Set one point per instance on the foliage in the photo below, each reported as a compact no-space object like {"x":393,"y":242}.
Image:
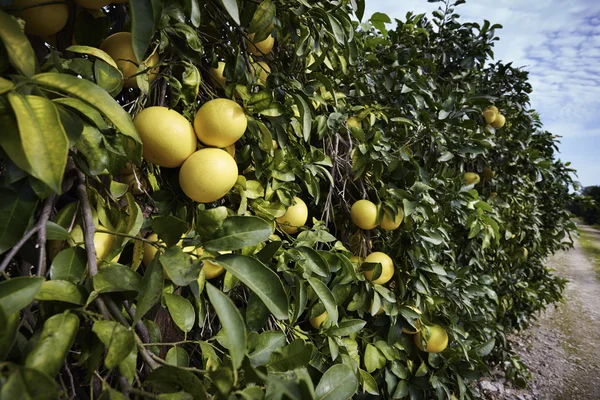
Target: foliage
{"x":82,"y":316}
{"x":586,"y":205}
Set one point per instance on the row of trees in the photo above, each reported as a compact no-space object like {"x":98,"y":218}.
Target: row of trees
{"x":105,"y":287}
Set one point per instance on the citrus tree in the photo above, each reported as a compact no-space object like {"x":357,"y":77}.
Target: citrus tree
{"x":266,"y":199}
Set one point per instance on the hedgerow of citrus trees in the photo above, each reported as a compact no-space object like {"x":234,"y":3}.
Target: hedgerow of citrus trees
{"x":266,"y":199}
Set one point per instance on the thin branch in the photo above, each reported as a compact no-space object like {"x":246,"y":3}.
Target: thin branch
{"x":146,"y":355}
{"x":41,"y":240}
{"x":71,"y":381}
{"x":141,"y":328}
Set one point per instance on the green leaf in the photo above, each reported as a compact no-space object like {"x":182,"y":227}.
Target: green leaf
{"x":5,"y":85}
{"x":20,"y":53}
{"x":9,"y":326}
{"x":91,"y":146}
{"x":267,"y":343}
{"x":232,"y":323}
{"x":43,"y":137}
{"x":142,"y":26}
{"x":69,"y":265}
{"x":178,"y":357}
{"x":305,"y":115}
{"x":326,"y":297}
{"x":118,"y":339}
{"x":17,"y":293}
{"x":181,"y":268}
{"x":150,"y":291}
{"x":85,"y":109}
{"x":16,"y":210}
{"x":94,"y":51}
{"x":108,"y":78}
{"x":313,"y":261}
{"x":128,"y":367}
{"x":56,"y":232}
{"x":208,"y":221}
{"x":237,"y":232}
{"x":368,"y":382}
{"x":169,"y":229}
{"x":232,"y":9}
{"x":260,"y":279}
{"x":378,"y":20}
{"x":295,"y":355}
{"x":374,"y":360}
{"x":181,"y":311}
{"x":28,"y":383}
{"x":338,"y":382}
{"x":168,"y":379}
{"x":401,"y":390}
{"x":92,"y":94}
{"x":485,"y":348}
{"x":50,"y":351}
{"x":10,"y":140}
{"x":348,"y":327}
{"x":60,"y":291}
{"x":262,"y":20}
{"x":117,"y":278}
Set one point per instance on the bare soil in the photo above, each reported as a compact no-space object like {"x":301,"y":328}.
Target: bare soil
{"x":562,"y":348}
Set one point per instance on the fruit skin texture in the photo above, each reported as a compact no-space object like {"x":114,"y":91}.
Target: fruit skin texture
{"x":207,"y":175}
{"x":220,"y":122}
{"x":149,"y":250}
{"x":494,"y":109}
{"x":168,"y":137}
{"x":353,"y":122}
{"x":119,"y":46}
{"x":389,"y":225}
{"x":417,"y":323}
{"x":42,"y":21}
{"x":103,"y":243}
{"x":217,"y":74}
{"x":490,"y":116}
{"x":260,"y":48}
{"x":437,"y":340}
{"x":387,"y":267}
{"x":499,"y":121}
{"x":471,"y":178}
{"x":316,"y":322}
{"x":295,"y":216}
{"x":364,"y":214}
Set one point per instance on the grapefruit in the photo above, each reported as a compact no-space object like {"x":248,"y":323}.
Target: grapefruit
{"x":364,"y":214}
{"x":168,"y":137}
{"x":295,"y":216}
{"x":119,"y":46}
{"x":41,"y":18}
{"x":489,"y":116}
{"x":217,"y":74}
{"x":387,"y":267}
{"x":316,"y":322}
{"x":471,"y":178}
{"x":220,"y":122}
{"x":260,"y":48}
{"x":389,"y":225}
{"x":435,"y":337}
{"x":499,"y":121}
{"x":207,"y":175}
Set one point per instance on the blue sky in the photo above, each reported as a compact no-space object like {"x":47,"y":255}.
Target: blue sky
{"x":558,"y":42}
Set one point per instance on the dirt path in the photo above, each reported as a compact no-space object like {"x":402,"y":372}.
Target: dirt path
{"x":562,"y":349}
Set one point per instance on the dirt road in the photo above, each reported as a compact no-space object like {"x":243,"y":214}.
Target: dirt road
{"x":562,"y":349}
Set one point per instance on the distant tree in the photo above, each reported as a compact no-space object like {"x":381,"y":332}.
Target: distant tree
{"x":587,"y":206}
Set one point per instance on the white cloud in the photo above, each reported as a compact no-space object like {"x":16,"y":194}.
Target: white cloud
{"x":559,"y":43}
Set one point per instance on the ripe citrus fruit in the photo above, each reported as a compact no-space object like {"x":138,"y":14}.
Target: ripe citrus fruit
{"x":40,"y":18}
{"x":119,"y":46}
{"x":499,"y":121}
{"x":207,"y":175}
{"x":260,"y":48}
{"x":356,"y":260}
{"x":220,"y":122}
{"x":316,"y":322}
{"x":168,"y":137}
{"x":103,"y":242}
{"x":389,"y":225}
{"x":217,"y":74}
{"x":231,"y":150}
{"x":295,"y":216}
{"x":364,"y":214}
{"x":211,"y":270}
{"x":353,"y":122}
{"x":261,"y":70}
{"x":149,"y":250}
{"x":435,"y":337}
{"x":471,"y":178}
{"x":494,"y":109}
{"x":489,"y":116}
{"x":387,"y":267}
{"x":417,"y":323}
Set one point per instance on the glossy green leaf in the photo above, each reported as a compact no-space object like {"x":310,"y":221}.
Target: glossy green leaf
{"x":348,"y":327}
{"x":60,"y":291}
{"x":262,"y":20}
{"x":108,"y":77}
{"x":326,"y":298}
{"x":16,"y":210}
{"x":150,"y":291}
{"x":297,"y":354}
{"x":44,"y":139}
{"x":91,"y":146}
{"x":178,"y":357}
{"x":232,"y":9}
{"x":170,"y":379}
{"x":128,"y":367}
{"x":238,"y":232}
{"x":118,"y":339}
{"x":10,"y":140}
{"x":369,"y":383}
{"x":56,"y":232}
{"x":181,"y":268}
{"x":338,"y":382}
{"x":374,"y":360}
{"x":267,"y":343}
{"x":232,"y":323}
{"x":69,"y":265}
{"x":142,"y":26}
{"x":313,"y":261}
{"x":93,"y":51}
{"x":9,"y":326}
{"x":117,"y":278}
{"x":260,"y":279}
{"x":20,"y":53}
{"x":181,"y":311}
{"x":17,"y":293}
{"x":169,"y":229}
{"x":208,"y":221}
{"x":85,"y":110}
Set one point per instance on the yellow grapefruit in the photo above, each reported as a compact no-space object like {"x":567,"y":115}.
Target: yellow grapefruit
{"x":40,"y":18}
{"x":494,"y":109}
{"x":220,"y":122}
{"x":435,"y":337}
{"x":217,"y":74}
{"x":489,"y":116}
{"x":364,"y":214}
{"x":295,"y":216}
{"x":471,"y":178}
{"x":499,"y":121}
{"x":316,"y":322}
{"x":387,"y":267}
{"x":389,"y":225}
{"x":119,"y":46}
{"x":168,"y":137}
{"x":149,"y":250}
{"x":260,"y":48}
{"x":211,"y":270}
{"x":207,"y":175}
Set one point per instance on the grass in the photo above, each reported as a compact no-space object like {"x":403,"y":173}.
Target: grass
{"x":591,"y":248}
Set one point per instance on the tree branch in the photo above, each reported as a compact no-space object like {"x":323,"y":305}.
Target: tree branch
{"x":41,"y":240}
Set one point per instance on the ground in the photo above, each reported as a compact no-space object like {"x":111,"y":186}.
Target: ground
{"x":562,"y":348}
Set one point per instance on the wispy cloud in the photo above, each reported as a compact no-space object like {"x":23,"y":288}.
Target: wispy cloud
{"x":559,"y":43}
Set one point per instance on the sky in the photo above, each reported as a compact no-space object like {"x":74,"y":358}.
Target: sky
{"x":558,"y":42}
